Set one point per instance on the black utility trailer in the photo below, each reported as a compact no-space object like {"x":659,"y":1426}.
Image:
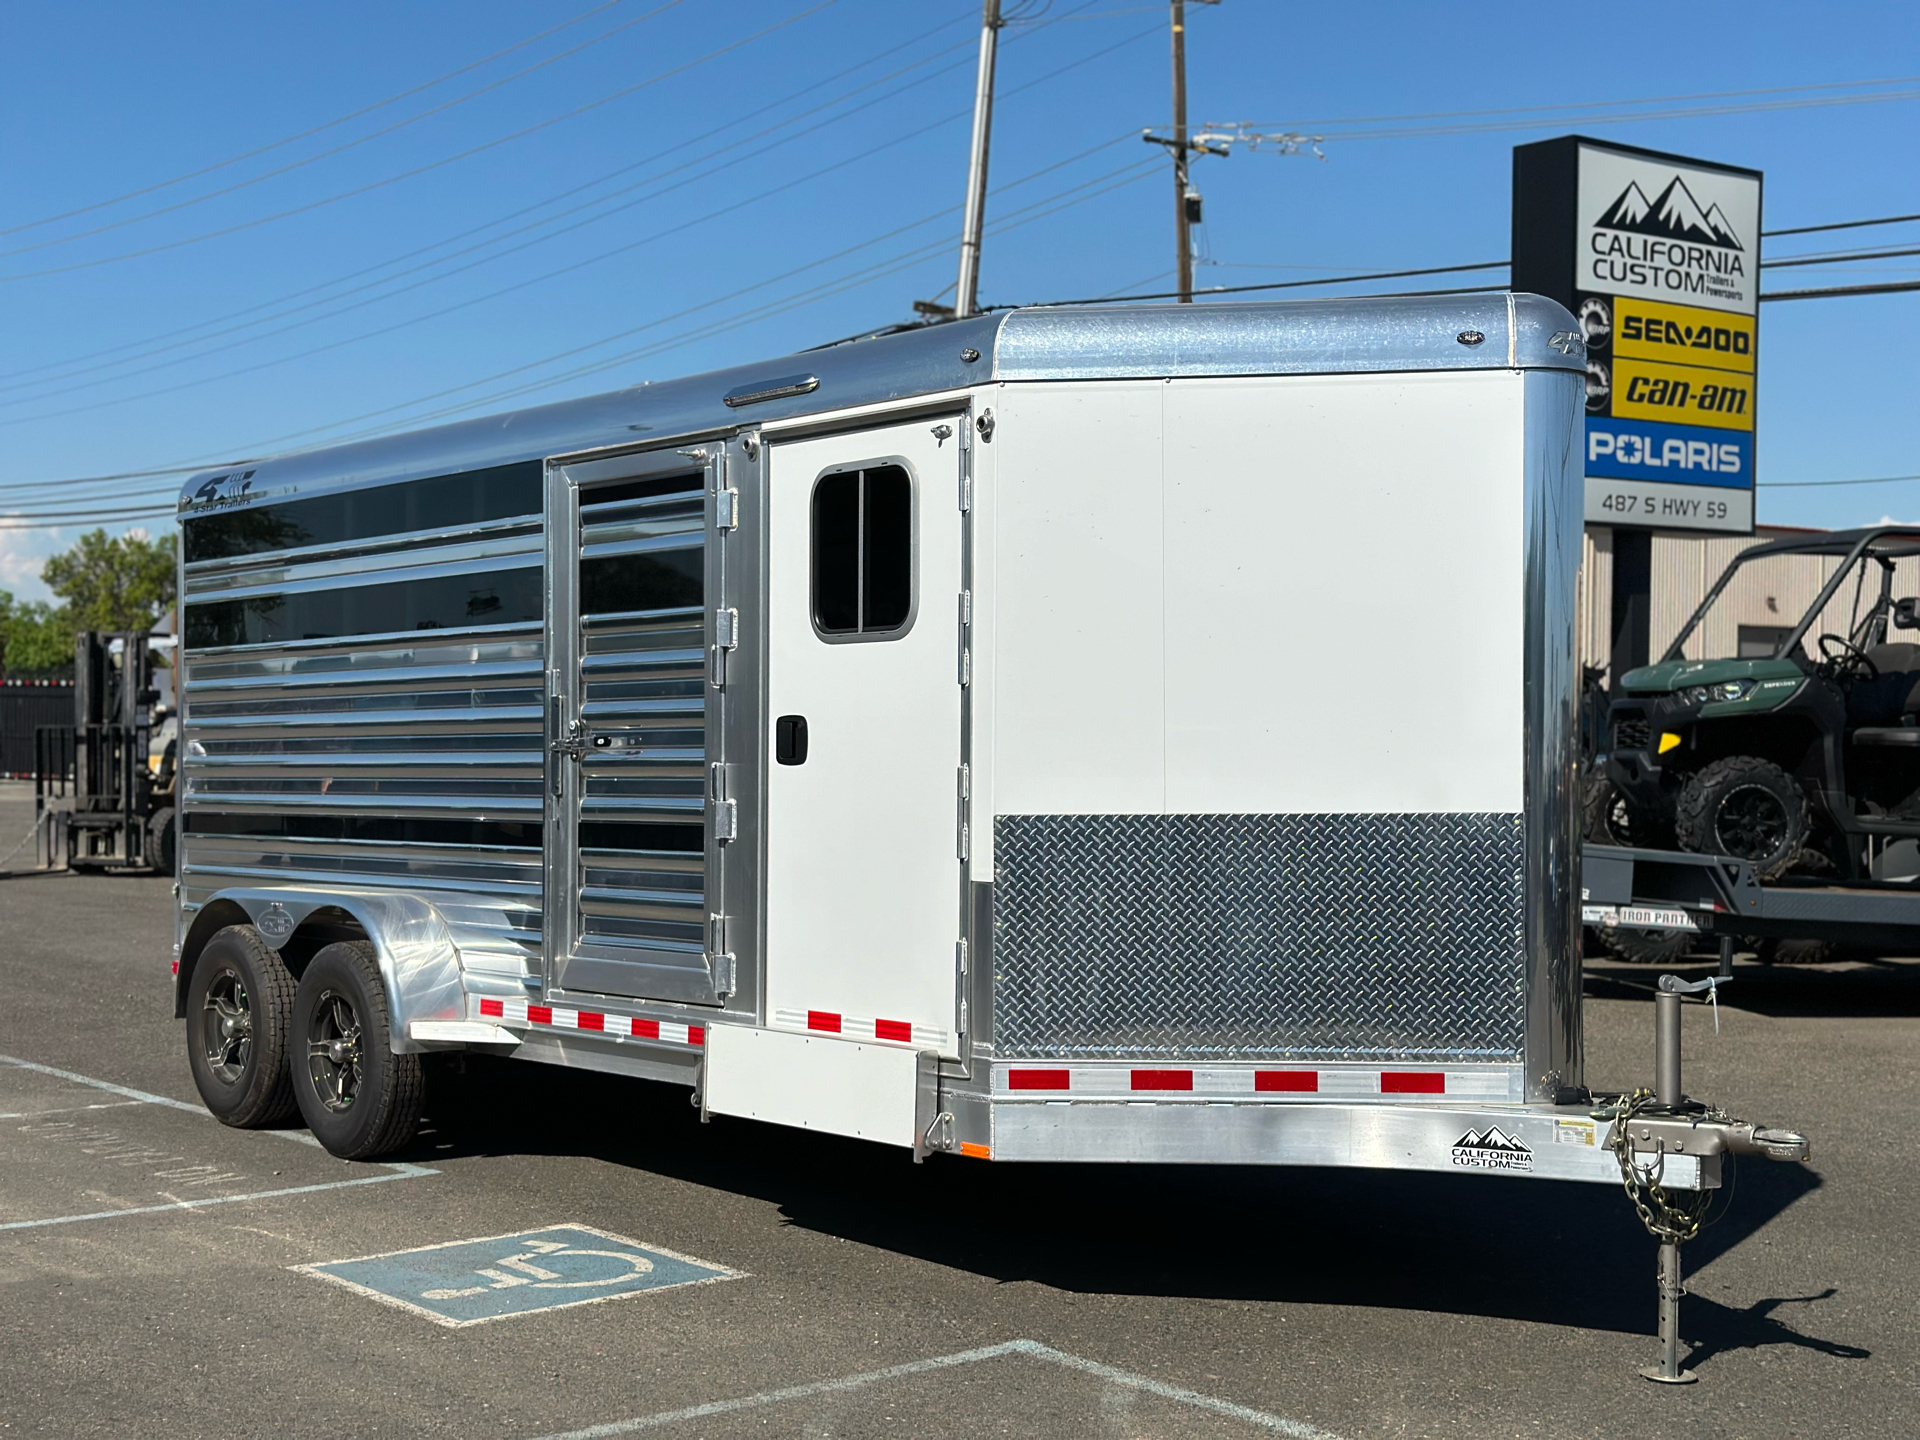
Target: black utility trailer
{"x":1722,"y":896}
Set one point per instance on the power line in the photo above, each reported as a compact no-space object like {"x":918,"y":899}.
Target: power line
{"x":1571,"y":105}
{"x":1282,"y":285}
{"x":345,"y":145}
{"x":153,"y":340}
{"x":1838,"y":257}
{"x":1823,"y":484}
{"x":1134,"y":172}
{"x":317,"y":129}
{"x":1842,"y":225}
{"x":860,"y":157}
{"x":521,"y":134}
{"x":707,"y":170}
{"x":1835,"y":291}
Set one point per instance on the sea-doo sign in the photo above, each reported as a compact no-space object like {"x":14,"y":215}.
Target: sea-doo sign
{"x":1659,"y":258}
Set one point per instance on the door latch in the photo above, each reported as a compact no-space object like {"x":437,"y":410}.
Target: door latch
{"x":571,"y":746}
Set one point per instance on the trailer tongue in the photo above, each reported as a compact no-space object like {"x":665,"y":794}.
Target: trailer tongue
{"x":919,"y":740}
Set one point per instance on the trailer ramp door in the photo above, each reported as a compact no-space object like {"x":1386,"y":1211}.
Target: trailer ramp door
{"x":863,"y":746}
{"x":632,"y":727}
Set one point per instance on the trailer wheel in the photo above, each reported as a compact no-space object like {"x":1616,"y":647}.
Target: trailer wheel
{"x":239,"y":1012}
{"x":1748,"y":808}
{"x":359,"y":1098}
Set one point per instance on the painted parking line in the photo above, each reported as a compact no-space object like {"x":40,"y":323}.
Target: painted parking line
{"x":1227,"y":1409}
{"x":390,"y":1170}
{"x":471,"y":1282}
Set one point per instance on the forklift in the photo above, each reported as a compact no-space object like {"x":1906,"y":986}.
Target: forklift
{"x":110,"y":778}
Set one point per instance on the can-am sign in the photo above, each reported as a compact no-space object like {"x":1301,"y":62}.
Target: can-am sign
{"x":1658,"y":258}
{"x":1668,"y":232}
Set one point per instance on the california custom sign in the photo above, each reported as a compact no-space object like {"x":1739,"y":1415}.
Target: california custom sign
{"x":1659,"y":258}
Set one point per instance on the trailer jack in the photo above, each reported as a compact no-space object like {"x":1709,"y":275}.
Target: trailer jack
{"x":1658,"y":1129}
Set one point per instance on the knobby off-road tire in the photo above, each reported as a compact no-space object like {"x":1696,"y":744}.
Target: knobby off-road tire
{"x":1745,"y":807}
{"x":1607,"y":819}
{"x":359,"y":1098}
{"x":239,"y":1016}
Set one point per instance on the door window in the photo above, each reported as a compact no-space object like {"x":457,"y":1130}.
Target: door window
{"x":863,"y":553}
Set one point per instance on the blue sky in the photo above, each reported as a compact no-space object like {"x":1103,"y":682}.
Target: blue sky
{"x":701,"y":239}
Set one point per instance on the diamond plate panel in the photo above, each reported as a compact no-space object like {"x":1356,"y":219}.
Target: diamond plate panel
{"x":1253,"y":936}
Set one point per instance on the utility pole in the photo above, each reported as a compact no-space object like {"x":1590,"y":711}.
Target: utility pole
{"x":1186,"y":200}
{"x":1182,"y":222}
{"x":966,"y":300}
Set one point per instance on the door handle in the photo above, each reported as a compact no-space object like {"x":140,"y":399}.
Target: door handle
{"x":790,"y":740}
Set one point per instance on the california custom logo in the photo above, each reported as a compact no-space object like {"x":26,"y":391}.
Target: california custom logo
{"x":1492,"y":1149}
{"x":1672,"y":245}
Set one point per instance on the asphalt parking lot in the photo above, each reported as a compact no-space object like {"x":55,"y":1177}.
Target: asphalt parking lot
{"x":750,"y":1281}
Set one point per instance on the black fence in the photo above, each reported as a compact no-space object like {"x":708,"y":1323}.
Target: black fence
{"x":26,"y":706}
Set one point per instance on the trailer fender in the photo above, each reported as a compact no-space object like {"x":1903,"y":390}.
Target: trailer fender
{"x":419,"y":963}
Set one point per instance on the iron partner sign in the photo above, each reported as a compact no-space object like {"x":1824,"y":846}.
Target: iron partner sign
{"x":1659,"y":258}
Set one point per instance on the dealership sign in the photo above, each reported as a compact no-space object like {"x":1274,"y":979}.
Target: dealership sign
{"x":1659,"y":258}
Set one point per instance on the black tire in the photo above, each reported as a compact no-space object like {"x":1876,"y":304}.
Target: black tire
{"x":160,"y":843}
{"x":1745,"y":807}
{"x":1773,"y":951}
{"x":239,"y":1017}
{"x":1607,"y":818}
{"x":359,"y":1098}
{"x":1645,"y":947}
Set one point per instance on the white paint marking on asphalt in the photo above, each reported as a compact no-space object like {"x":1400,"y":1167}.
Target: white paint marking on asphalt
{"x":397,"y":1170}
{"x":409,"y":1172}
{"x":144,"y":1095}
{"x":1260,"y":1418}
{"x":69,"y":1109}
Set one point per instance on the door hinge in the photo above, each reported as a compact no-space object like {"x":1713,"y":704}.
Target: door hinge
{"x":960,"y":957}
{"x":966,"y":667}
{"x":726,"y":635}
{"x":726,"y":509}
{"x":719,"y":958}
{"x":726,"y":813}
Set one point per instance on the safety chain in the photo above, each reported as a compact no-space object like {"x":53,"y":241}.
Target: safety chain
{"x":1665,"y":1220}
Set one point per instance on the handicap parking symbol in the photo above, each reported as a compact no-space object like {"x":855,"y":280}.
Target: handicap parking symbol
{"x":469,"y":1282}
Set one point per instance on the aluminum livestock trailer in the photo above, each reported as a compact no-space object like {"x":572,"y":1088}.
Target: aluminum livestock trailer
{"x":941,"y":739}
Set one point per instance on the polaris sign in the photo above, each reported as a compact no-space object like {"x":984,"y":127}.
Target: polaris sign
{"x":1658,"y":256}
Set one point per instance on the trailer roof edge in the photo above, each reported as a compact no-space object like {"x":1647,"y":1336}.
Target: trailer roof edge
{"x":1299,"y":337}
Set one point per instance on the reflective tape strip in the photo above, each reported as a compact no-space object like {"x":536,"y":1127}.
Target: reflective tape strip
{"x":1295,"y":1082}
{"x":619,"y":1027}
{"x":883,"y":1028}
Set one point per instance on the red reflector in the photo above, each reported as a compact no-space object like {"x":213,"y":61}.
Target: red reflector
{"x":1163,"y":1080}
{"x":540,"y":1014}
{"x":647,"y":1029}
{"x":591,"y":1021}
{"x":1412,"y":1082}
{"x":823,"y":1020}
{"x":493,"y":1007}
{"x":892,"y":1030}
{"x":1037,"y":1080}
{"x":696,"y":1035}
{"x":1304,"y":1081}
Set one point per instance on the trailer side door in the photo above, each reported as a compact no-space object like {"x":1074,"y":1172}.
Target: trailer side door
{"x":864,"y":695}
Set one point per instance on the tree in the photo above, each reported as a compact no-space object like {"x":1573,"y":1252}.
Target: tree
{"x":36,"y":640}
{"x":121,"y":584}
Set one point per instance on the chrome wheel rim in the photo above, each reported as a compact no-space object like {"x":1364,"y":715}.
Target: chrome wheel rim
{"x":226,"y":1027}
{"x":333,"y":1051}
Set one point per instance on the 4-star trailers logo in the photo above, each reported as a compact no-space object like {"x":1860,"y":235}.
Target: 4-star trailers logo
{"x":1653,"y":228}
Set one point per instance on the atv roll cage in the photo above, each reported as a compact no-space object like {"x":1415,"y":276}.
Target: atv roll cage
{"x":1885,"y":544}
